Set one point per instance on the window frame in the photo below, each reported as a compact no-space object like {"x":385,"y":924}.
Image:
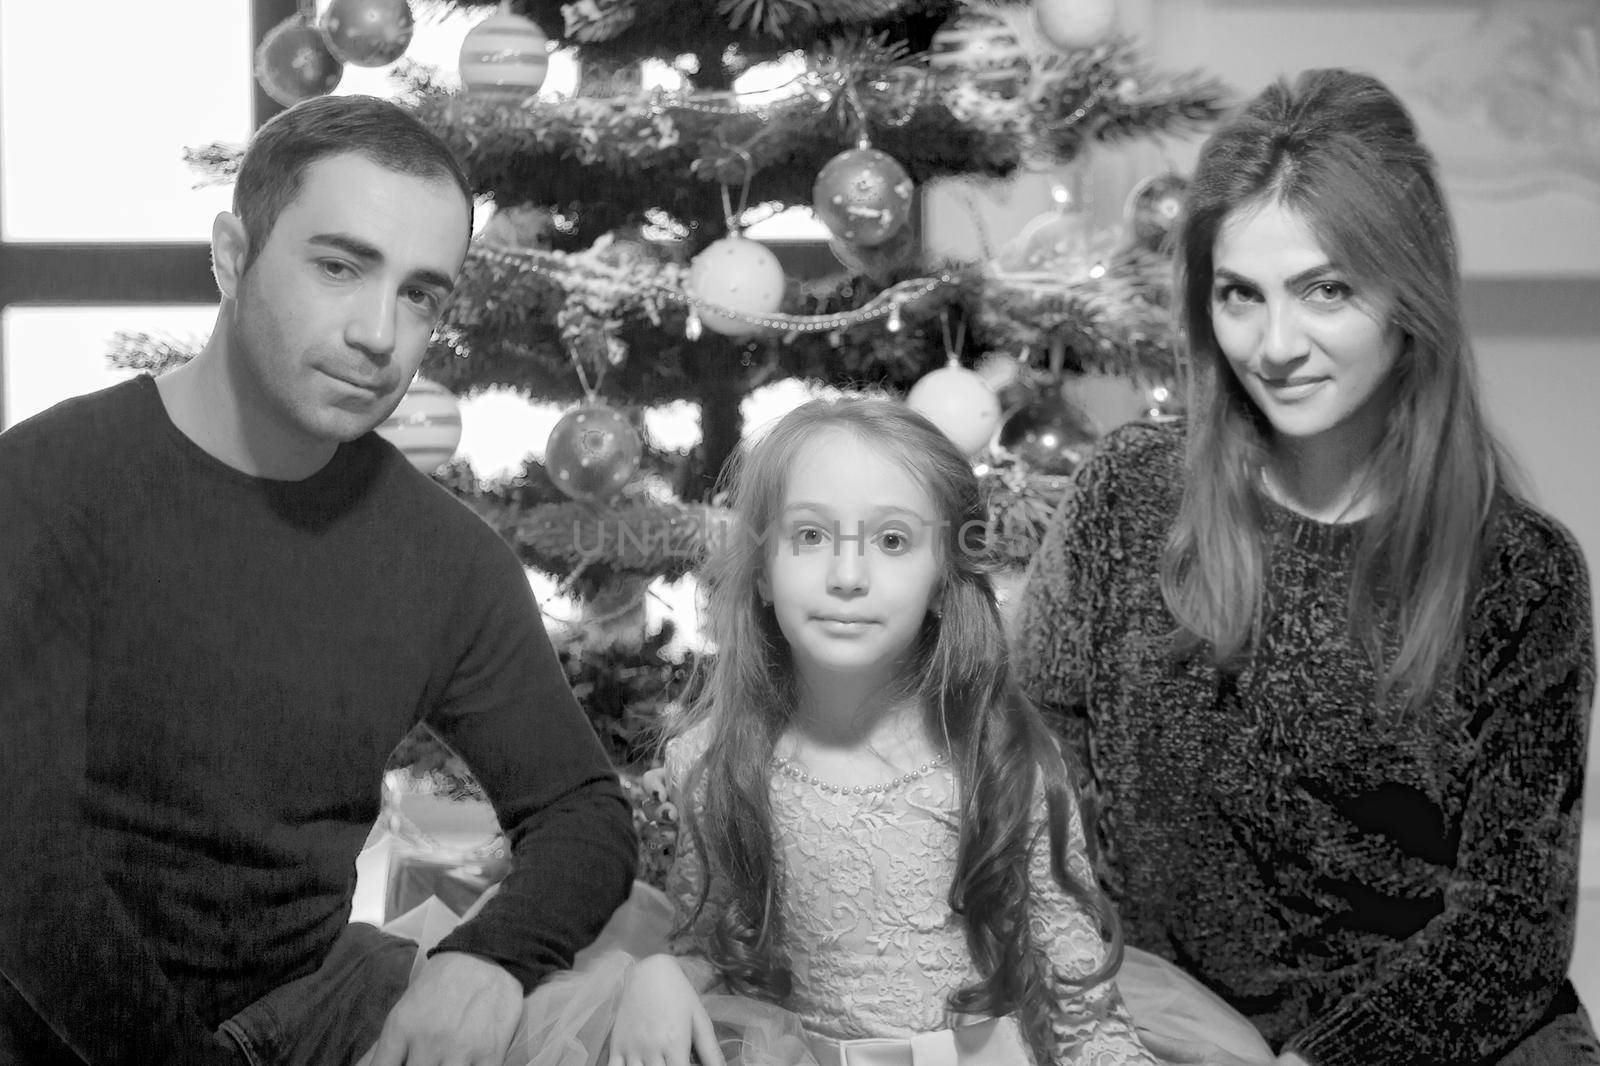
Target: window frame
{"x":44,"y":273}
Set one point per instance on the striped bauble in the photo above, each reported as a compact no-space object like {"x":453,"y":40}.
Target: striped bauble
{"x":504,"y":55}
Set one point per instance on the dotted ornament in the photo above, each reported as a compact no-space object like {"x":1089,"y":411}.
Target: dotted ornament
{"x":592,"y":452}
{"x":368,"y":33}
{"x":740,"y":275}
{"x":293,"y":63}
{"x":505,"y":55}
{"x":1153,"y":208}
{"x":960,"y":403}
{"x":863,"y":196}
{"x":426,"y":426}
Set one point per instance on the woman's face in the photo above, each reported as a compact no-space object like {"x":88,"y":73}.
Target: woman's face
{"x":1313,"y":352}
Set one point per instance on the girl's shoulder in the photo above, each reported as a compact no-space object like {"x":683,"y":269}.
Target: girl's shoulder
{"x":683,"y":750}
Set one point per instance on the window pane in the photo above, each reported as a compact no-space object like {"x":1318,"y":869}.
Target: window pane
{"x":54,"y":353}
{"x":98,"y":99}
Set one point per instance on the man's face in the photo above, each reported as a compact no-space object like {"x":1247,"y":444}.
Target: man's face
{"x":335,"y":312}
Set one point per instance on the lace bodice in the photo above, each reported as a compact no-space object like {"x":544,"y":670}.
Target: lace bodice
{"x":874,"y":948}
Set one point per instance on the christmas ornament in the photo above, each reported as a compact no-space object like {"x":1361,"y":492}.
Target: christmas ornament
{"x":1153,"y":208}
{"x":505,"y":55}
{"x":592,"y":452}
{"x":367,"y":33}
{"x":960,"y":403}
{"x":293,"y":63}
{"x":1051,"y":434}
{"x":426,"y":426}
{"x":979,"y":49}
{"x":1164,"y":404}
{"x":1074,"y":24}
{"x":1050,"y":241}
{"x":740,"y":275}
{"x":863,"y":196}
{"x":879,"y":262}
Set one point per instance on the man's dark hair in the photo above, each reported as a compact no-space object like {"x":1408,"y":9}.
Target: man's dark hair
{"x":275,"y":162}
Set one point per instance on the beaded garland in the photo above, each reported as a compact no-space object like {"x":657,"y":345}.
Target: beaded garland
{"x":798,"y":772}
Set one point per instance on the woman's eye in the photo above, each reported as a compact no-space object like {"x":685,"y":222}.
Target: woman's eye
{"x":1233,"y":295}
{"x":1329,"y":292}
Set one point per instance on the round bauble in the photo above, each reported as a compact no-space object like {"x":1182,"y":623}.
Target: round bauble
{"x":979,"y":49}
{"x":1153,"y":208}
{"x":878,"y":262}
{"x":367,"y":33}
{"x":1051,"y":241}
{"x":960,"y":403}
{"x":426,"y":426}
{"x":1051,"y":435}
{"x":292,"y":63}
{"x":505,"y":55}
{"x":1074,"y":24}
{"x":738,"y":274}
{"x":592,"y":452}
{"x":863,"y":196}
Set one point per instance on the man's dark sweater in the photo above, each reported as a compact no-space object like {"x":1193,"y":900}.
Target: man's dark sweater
{"x":1368,"y":890}
{"x":203,"y":675}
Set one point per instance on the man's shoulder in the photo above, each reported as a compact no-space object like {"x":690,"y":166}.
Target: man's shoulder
{"x":87,"y":421}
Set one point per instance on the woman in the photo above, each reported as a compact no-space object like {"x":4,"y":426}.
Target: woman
{"x":1328,"y":673}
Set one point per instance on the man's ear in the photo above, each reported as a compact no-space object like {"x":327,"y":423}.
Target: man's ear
{"x":230,"y":246}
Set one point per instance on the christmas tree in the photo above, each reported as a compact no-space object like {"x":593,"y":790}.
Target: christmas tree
{"x":614,"y":275}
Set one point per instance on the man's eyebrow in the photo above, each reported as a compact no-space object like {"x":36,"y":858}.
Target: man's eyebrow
{"x":357,"y":248}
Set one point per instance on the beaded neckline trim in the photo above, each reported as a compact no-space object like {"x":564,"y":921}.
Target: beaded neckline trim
{"x":793,"y":769}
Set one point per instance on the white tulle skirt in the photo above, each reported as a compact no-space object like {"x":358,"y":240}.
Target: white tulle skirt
{"x":567,"y":1019}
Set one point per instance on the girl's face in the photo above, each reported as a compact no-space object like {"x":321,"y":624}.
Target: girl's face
{"x":852,"y":562}
{"x":1313,"y":352}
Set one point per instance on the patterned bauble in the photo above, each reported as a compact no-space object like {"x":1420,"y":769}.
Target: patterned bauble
{"x":979,"y":49}
{"x":863,"y":196}
{"x":1153,"y":208}
{"x":426,"y":427}
{"x":740,"y":275}
{"x":367,"y":33}
{"x":1074,"y":24}
{"x":1052,"y":434}
{"x":293,"y":63}
{"x":592,"y":452}
{"x":505,"y":55}
{"x":879,"y":262}
{"x":960,"y":403}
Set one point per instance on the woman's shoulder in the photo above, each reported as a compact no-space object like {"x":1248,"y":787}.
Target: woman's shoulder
{"x":1143,"y":447}
{"x":1528,"y":544}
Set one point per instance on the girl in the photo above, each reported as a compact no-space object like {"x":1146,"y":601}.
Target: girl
{"x":1330,"y":673}
{"x":882,"y":859}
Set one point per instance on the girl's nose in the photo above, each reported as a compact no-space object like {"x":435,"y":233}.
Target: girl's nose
{"x":847,"y":567}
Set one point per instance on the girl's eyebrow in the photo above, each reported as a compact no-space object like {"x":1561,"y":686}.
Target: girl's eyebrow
{"x":877,"y":512}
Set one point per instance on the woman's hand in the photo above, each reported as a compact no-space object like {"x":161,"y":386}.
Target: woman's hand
{"x":660,"y":1017}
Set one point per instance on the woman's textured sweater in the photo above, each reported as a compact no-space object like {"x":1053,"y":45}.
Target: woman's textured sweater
{"x":1369,"y":888}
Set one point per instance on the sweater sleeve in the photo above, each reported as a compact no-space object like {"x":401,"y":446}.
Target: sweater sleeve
{"x":508,"y":711}
{"x":66,"y":943}
{"x":1480,"y":974}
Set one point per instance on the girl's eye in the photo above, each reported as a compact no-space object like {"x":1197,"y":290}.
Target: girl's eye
{"x":894,"y":541}
{"x":807,"y":536}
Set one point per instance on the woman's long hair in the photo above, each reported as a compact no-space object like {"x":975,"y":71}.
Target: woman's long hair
{"x":1001,"y":750}
{"x":1337,"y":149}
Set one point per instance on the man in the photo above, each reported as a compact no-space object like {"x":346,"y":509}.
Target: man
{"x":223,"y":600}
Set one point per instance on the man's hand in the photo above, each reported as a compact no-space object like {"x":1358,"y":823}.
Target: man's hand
{"x":659,"y":1017}
{"x":460,"y":1010}
{"x":1178,"y":1052}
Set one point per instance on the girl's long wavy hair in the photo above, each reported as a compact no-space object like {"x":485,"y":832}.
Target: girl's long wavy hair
{"x":1001,"y":750}
{"x":1341,"y":152}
